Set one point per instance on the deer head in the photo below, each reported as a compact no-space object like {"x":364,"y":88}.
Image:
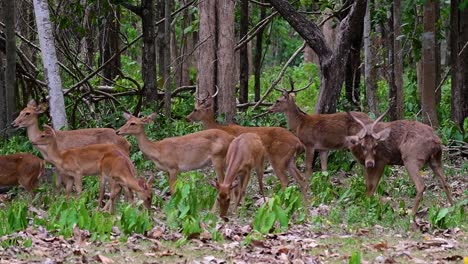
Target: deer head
{"x":287,"y":98}
{"x":367,"y":139}
{"x":147,"y":194}
{"x":47,"y":137}
{"x":28,"y":115}
{"x":203,"y":107}
{"x":224,"y":195}
{"x":135,"y":125}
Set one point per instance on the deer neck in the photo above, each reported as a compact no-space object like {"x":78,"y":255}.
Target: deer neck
{"x":210,"y":122}
{"x":53,"y":153}
{"x":294,"y":117}
{"x":132,"y":183}
{"x":146,"y":146}
{"x":33,"y":130}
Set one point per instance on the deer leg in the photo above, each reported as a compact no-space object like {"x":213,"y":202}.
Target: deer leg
{"x":172,"y":179}
{"x":413,"y":171}
{"x":324,"y":159}
{"x":128,"y":193}
{"x":372,"y":177}
{"x":68,"y":185}
{"x":218,"y":164}
{"x":78,"y":183}
{"x":58,"y":181}
{"x":296,"y":174}
{"x":436,"y":167}
{"x":102,"y":189}
{"x":260,"y":171}
{"x":309,"y":161}
{"x":279,"y":170}
{"x":115,"y":190}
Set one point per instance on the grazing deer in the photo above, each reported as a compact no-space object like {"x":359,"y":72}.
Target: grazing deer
{"x":322,"y":132}
{"x":280,"y":145}
{"x":401,"y":142}
{"x":177,"y":154}
{"x":106,"y":160}
{"x":28,"y":118}
{"x":245,"y":153}
{"x":21,"y":168}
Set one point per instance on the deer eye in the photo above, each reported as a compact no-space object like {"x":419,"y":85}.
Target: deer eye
{"x":195,"y":110}
{"x":132,"y":124}
{"x":27,"y":113}
{"x":42,"y":136}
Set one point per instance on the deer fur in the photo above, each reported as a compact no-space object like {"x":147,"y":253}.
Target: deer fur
{"x":322,"y":132}
{"x":24,"y":169}
{"x":106,"y":160}
{"x":245,"y":153}
{"x":401,"y":142}
{"x":28,"y":118}
{"x":177,"y":154}
{"x":280,"y":145}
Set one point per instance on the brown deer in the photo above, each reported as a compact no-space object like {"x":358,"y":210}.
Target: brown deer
{"x":28,"y":118}
{"x":401,"y":142}
{"x":24,"y":169}
{"x":178,"y":154}
{"x":280,"y":145}
{"x":322,"y":132}
{"x":245,"y":153}
{"x":106,"y":160}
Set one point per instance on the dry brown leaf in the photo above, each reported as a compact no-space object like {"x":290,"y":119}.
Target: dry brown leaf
{"x":104,"y":259}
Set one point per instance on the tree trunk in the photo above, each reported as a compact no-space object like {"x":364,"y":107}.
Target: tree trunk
{"x":428,"y":98}
{"x":226,"y":45}
{"x":167,"y":58}
{"x":149,"y":52}
{"x":185,"y":60}
{"x":396,"y":86}
{"x":207,"y":48}
{"x":243,"y":53}
{"x":49,"y":59}
{"x":10,"y":52}
{"x":110,"y":45}
{"x":258,"y":56}
{"x":353,"y":71}
{"x":88,"y":41}
{"x":370,"y":73}
{"x":3,"y":100}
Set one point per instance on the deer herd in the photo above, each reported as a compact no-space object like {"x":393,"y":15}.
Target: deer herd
{"x":233,"y":150}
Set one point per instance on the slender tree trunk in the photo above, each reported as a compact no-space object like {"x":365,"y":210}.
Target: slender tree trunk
{"x":396,"y":87}
{"x":149,"y":52}
{"x":353,"y":71}
{"x":167,"y":58}
{"x":258,"y":56}
{"x":207,"y":56}
{"x":243,"y":52}
{"x":49,"y":59}
{"x":10,"y":50}
{"x":428,"y":98}
{"x":88,"y":48}
{"x":226,"y":45}
{"x":370,"y":73}
{"x":437,"y":54}
{"x":3,"y":100}
{"x":111,"y":44}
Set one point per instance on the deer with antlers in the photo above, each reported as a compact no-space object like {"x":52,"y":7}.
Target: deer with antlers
{"x":401,"y":142}
{"x":106,"y":160}
{"x":322,"y":132}
{"x":28,"y":118}
{"x":184,"y":153}
{"x":280,"y":145}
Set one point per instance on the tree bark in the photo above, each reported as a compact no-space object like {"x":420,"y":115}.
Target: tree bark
{"x":3,"y":112}
{"x":167,"y":58}
{"x":243,"y":53}
{"x":88,"y":48}
{"x":370,"y":73}
{"x":110,"y":44}
{"x":49,"y":59}
{"x":396,"y":86}
{"x":226,"y":46}
{"x":10,"y":50}
{"x":428,"y":98}
{"x":331,"y":61}
{"x":149,"y":52}
{"x":207,"y":48}
{"x":258,"y":56}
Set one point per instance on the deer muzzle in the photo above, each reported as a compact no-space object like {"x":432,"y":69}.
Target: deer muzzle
{"x":370,"y":164}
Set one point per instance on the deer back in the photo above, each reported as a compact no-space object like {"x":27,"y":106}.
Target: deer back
{"x":21,"y":168}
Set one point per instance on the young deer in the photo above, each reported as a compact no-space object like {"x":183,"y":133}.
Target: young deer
{"x":280,"y":145}
{"x":184,"y":153}
{"x":245,"y":153}
{"x":106,"y":160}
{"x":21,"y":168}
{"x":400,"y":142}
{"x":28,"y":118}
{"x":322,"y":132}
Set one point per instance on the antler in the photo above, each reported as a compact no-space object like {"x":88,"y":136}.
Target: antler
{"x":359,"y":122}
{"x":375,"y":122}
{"x":198,"y":98}
{"x":216,"y":93}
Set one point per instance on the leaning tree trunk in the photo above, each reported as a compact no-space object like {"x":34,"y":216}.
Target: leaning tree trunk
{"x":370,"y":74}
{"x":49,"y":59}
{"x":243,"y":53}
{"x":207,"y":47}
{"x":10,"y":70}
{"x":331,"y":61}
{"x":396,"y":86}
{"x":428,"y":98}
{"x":226,"y":45}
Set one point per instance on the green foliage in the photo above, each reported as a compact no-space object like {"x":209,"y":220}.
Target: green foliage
{"x":13,"y":218}
{"x":280,"y":208}
{"x":134,"y":220}
{"x":448,"y":217}
{"x":322,"y":189}
{"x":355,"y":258}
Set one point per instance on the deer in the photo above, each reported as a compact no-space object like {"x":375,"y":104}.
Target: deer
{"x":280,"y":145}
{"x":28,"y":118}
{"x":24,"y":169}
{"x":107,"y":160}
{"x":178,"y":154}
{"x":401,"y":142}
{"x":245,"y":153}
{"x":322,"y":132}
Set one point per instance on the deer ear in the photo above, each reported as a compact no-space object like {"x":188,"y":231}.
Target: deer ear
{"x":208,"y":103}
{"x":142,"y":184}
{"x":49,"y":130}
{"x":383,"y":135}
{"x":149,"y":119}
{"x":351,"y":141}
{"x":41,"y":108}
{"x":234,"y":184}
{"x":214,"y":184}
{"x":292,"y":96}
{"x":127,"y":116}
{"x":32,"y":103}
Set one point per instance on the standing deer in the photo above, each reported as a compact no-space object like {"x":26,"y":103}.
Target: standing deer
{"x":106,"y":160}
{"x":322,"y":132}
{"x":280,"y":145}
{"x":21,"y":168}
{"x":185,"y":153}
{"x":28,"y":118}
{"x":401,"y":142}
{"x":245,"y":153}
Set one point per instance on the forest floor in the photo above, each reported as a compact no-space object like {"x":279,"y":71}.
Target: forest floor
{"x":301,"y":243}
